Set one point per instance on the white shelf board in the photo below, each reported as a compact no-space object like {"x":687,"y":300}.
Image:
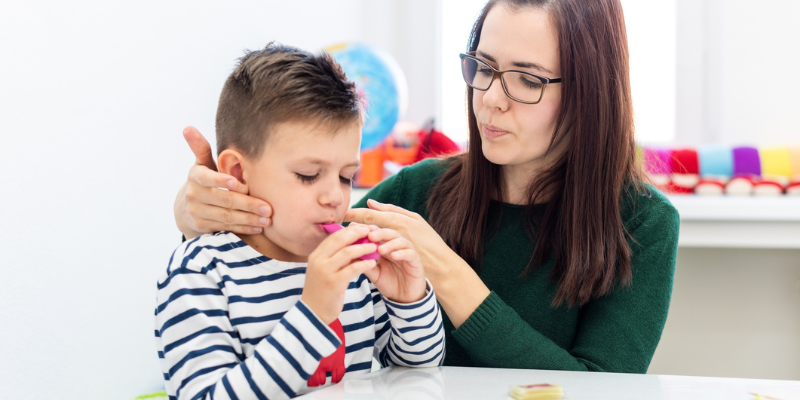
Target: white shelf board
{"x":728,"y":221}
{"x":738,"y":221}
{"x":737,"y":208}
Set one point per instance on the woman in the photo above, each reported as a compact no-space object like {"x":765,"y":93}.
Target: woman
{"x":545,"y":249}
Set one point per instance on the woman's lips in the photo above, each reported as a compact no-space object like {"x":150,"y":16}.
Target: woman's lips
{"x":493,"y":132}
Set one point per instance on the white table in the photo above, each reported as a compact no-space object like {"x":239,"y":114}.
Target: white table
{"x":456,"y":383}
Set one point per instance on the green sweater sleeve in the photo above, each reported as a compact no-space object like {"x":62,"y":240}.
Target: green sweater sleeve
{"x":618,"y":332}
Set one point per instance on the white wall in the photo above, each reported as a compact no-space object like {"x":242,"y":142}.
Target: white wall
{"x":93,"y":98}
{"x":734,"y":313}
{"x":737,"y":72}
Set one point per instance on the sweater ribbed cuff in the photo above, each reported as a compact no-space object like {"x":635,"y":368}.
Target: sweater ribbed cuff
{"x":479,"y":320}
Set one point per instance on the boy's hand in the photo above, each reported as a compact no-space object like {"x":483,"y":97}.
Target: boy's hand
{"x":331,"y":267}
{"x":400,"y":276}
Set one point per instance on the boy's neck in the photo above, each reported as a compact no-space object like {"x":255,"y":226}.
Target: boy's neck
{"x":263,"y":245}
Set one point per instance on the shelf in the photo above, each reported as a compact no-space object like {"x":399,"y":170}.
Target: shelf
{"x":737,"y":208}
{"x":728,"y":222}
{"x":738,"y":222}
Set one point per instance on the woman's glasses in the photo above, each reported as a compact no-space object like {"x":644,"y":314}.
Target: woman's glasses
{"x":523,"y":87}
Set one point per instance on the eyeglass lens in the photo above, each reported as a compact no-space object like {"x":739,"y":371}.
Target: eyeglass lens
{"x":521,"y":86}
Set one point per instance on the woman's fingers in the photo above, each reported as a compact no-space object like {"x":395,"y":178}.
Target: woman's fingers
{"x":200,"y":210}
{"x":366,"y":216}
{"x":375,"y":205}
{"x":205,"y":177}
{"x":231,"y":202}
{"x":382,"y":215}
{"x":207,"y":225}
{"x":200,"y":147}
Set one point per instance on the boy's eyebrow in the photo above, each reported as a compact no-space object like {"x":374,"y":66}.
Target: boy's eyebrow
{"x":519,"y":64}
{"x":319,"y":161}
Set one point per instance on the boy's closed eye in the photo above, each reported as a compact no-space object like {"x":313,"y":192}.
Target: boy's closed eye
{"x":309,"y":179}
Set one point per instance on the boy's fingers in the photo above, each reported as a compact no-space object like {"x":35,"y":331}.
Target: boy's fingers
{"x":357,"y":268}
{"x":382,"y":235}
{"x":403,"y":255}
{"x":340,"y":239}
{"x":200,"y":147}
{"x":373,"y":274}
{"x":346,"y":255}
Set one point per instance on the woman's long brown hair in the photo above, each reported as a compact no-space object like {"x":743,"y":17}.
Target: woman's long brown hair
{"x":582,"y":226}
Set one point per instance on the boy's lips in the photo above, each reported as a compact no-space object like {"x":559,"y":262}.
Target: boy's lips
{"x":320,"y":225}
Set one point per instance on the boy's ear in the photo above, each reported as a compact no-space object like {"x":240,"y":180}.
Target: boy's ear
{"x":231,"y":162}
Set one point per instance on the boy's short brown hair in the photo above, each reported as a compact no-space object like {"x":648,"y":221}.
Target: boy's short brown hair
{"x":281,"y":84}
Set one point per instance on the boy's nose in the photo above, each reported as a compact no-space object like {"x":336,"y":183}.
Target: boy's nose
{"x":332,"y":196}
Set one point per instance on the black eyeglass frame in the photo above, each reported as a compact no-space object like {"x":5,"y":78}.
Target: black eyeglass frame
{"x":499,"y":74}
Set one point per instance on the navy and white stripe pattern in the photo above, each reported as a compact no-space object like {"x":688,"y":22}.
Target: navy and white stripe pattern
{"x":230,"y":325}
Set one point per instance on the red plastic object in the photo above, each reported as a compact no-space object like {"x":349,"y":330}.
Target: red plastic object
{"x":685,"y":162}
{"x":330,"y":228}
{"x":333,"y":363}
{"x":434,"y":143}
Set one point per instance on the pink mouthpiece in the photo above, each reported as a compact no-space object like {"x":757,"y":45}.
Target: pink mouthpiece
{"x":330,"y":228}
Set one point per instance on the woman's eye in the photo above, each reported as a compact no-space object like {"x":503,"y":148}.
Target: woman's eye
{"x":307,"y":178}
{"x":485,"y":71}
{"x":532,"y":84}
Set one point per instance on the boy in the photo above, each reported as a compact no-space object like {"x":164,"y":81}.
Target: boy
{"x":272,"y":314}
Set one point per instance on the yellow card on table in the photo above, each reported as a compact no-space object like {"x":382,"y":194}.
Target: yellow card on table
{"x":539,"y":391}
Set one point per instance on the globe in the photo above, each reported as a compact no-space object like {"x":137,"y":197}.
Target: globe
{"x":380,"y":82}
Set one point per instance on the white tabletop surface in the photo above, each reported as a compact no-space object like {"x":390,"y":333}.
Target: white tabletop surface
{"x":456,"y":383}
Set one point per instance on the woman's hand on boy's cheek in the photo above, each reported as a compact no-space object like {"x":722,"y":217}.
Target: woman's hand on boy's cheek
{"x":203,"y":207}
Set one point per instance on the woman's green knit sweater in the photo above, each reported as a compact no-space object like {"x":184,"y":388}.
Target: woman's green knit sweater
{"x":516,"y":326}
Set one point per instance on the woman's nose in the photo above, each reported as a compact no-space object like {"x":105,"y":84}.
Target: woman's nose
{"x":495,"y":96}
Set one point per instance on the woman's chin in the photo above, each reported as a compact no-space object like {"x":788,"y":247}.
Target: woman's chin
{"x":495,"y":155}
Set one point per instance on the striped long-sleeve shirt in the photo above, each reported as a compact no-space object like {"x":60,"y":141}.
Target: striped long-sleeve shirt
{"x":230,"y":324}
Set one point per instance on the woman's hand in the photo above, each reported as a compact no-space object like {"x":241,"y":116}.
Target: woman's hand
{"x":399,"y":276}
{"x":203,"y":207}
{"x":458,"y":288}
